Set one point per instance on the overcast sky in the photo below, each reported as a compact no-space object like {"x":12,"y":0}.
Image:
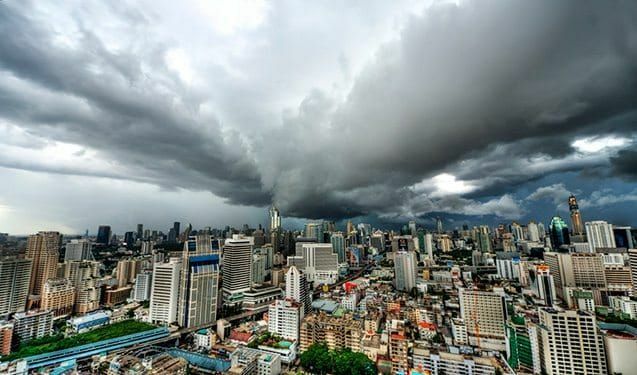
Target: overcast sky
{"x":385,"y":111}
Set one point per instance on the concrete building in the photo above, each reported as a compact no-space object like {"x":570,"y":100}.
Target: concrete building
{"x":621,"y":345}
{"x":237,"y":268}
{"x":6,"y":337}
{"x":438,"y":363}
{"x":484,"y":314}
{"x":570,"y":343}
{"x":544,"y":285}
{"x":32,"y":324}
{"x":336,"y":332}
{"x":284,"y":318}
{"x":78,"y":250}
{"x":127,"y":270}
{"x":165,"y":292}
{"x":58,"y":296}
{"x":143,"y":284}
{"x":599,"y":235}
{"x":318,"y":262}
{"x":297,"y":289}
{"x":43,"y":251}
{"x":15,"y":275}
{"x":405,"y":270}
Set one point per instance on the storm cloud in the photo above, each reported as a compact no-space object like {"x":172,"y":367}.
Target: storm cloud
{"x":412,"y":109}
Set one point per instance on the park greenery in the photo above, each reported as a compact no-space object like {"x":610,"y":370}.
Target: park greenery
{"x":53,"y":343}
{"x":318,"y":359}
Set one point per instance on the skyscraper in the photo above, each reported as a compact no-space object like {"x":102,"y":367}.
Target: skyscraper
{"x":429,"y":246}
{"x":576,"y":218}
{"x":200,"y":281}
{"x":559,"y":232}
{"x":275,"y":219}
{"x":237,"y":268}
{"x":165,"y":292}
{"x":297,"y":289}
{"x":439,"y":225}
{"x":533,"y":232}
{"x":544,"y":285}
{"x":405,"y":270}
{"x":599,"y":235}
{"x":103,"y":235}
{"x":570,"y":342}
{"x":284,"y":318}
{"x":43,"y":251}
{"x":78,"y":250}
{"x":484,"y":314}
{"x":140,"y":231}
{"x":338,"y":244}
{"x":15,"y":275}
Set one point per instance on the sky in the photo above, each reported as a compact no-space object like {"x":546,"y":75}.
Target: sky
{"x":208,"y":112}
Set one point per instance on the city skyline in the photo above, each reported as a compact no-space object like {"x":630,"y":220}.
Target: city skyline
{"x":381,"y":112}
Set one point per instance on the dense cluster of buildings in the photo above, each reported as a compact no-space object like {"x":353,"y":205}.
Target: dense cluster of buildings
{"x":524,"y":299}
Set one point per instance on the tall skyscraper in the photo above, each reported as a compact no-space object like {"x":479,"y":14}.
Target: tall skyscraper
{"x":78,"y":250}
{"x":429,"y":246}
{"x":176,"y":228}
{"x":533,"y":232}
{"x":200,"y":281}
{"x":43,"y":251}
{"x":599,"y":235}
{"x":338,"y":244}
{"x":570,"y":343}
{"x":143,"y":283}
{"x":576,"y":218}
{"x":103,"y":235}
{"x":544,"y":285}
{"x":275,"y":219}
{"x":237,"y":268}
{"x":484,"y":314}
{"x":559,"y":232}
{"x":405,"y":270}
{"x":317,"y":261}
{"x":165,"y":292}
{"x":140,"y":231}
{"x":297,"y":289}
{"x":15,"y":275}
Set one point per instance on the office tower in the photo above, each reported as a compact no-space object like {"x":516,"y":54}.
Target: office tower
{"x":258,"y":269}
{"x":15,"y":275}
{"x":338,"y":244}
{"x":484,"y":314}
{"x":259,"y":237}
{"x":588,"y":270}
{"x":164,"y":294}
{"x":561,"y":267}
{"x":444,"y":243}
{"x":544,"y":285}
{"x":176,"y":229}
{"x":6,"y":337}
{"x":104,"y":235}
{"x":439,"y":225}
{"x":599,"y":235}
{"x":43,"y":251}
{"x":405,"y":270}
{"x":559,"y":232}
{"x":284,"y":318}
{"x":58,"y":296}
{"x":143,"y":283}
{"x":632,"y":262}
{"x":484,"y":239}
{"x":429,"y":246}
{"x":147,"y":247}
{"x":517,"y":231}
{"x":237,"y":268}
{"x":275,"y":219}
{"x":127,"y":270}
{"x":32,"y":324}
{"x":570,"y":343}
{"x":297,"y":289}
{"x":541,"y":230}
{"x":533,"y":232}
{"x":508,"y":267}
{"x":200,"y":281}
{"x":78,"y":250}
{"x":140,"y":231}
{"x":335,"y":331}
{"x":576,"y":218}
{"x":129,"y":239}
{"x":318,"y":261}
{"x":314,"y":230}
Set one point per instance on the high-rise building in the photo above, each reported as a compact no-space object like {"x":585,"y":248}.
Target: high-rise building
{"x":104,"y":235}
{"x":58,"y":296}
{"x":576,"y":218}
{"x":439,"y":225}
{"x":165,"y":292}
{"x":484,"y":239}
{"x":275,"y":219}
{"x":412,"y":228}
{"x":561,"y":267}
{"x":284,"y":318}
{"x":78,"y":250}
{"x":32,"y":324}
{"x":335,"y":331}
{"x":429,"y":246}
{"x":88,"y":296}
{"x":200,"y":281}
{"x":544,"y":285}
{"x":405,"y":270}
{"x":484,"y":314}
{"x":338,"y":244}
{"x":140,"y":231}
{"x":43,"y":251}
{"x":317,"y":261}
{"x":143,"y":283}
{"x":444,"y":243}
{"x":297,"y":289}
{"x":623,"y":237}
{"x":517,"y":231}
{"x":237,"y":268}
{"x":258,"y":269}
{"x":559,"y":232}
{"x":570,"y":343}
{"x":6,"y":337}
{"x":588,"y":270}
{"x":533,"y":232}
{"x":599,"y":235}
{"x":15,"y":275}
{"x":127,"y":270}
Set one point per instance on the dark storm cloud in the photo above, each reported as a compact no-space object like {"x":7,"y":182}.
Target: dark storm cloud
{"x":493,"y":93}
{"x":624,"y":164}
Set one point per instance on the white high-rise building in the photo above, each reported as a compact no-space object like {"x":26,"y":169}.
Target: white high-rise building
{"x":318,"y":261}
{"x":165,"y":292}
{"x":143,"y":283}
{"x":296,"y":288}
{"x":237,"y":268}
{"x":517,"y":231}
{"x":15,"y":275}
{"x":599,"y":235}
{"x":429,"y":246}
{"x":533,"y":232}
{"x":484,"y":314}
{"x":275,"y":219}
{"x":570,"y":343}
{"x":199,"y":287}
{"x":338,"y":244}
{"x":544,"y":285}
{"x":284,"y":318}
{"x":78,"y":250}
{"x":405,"y":270}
